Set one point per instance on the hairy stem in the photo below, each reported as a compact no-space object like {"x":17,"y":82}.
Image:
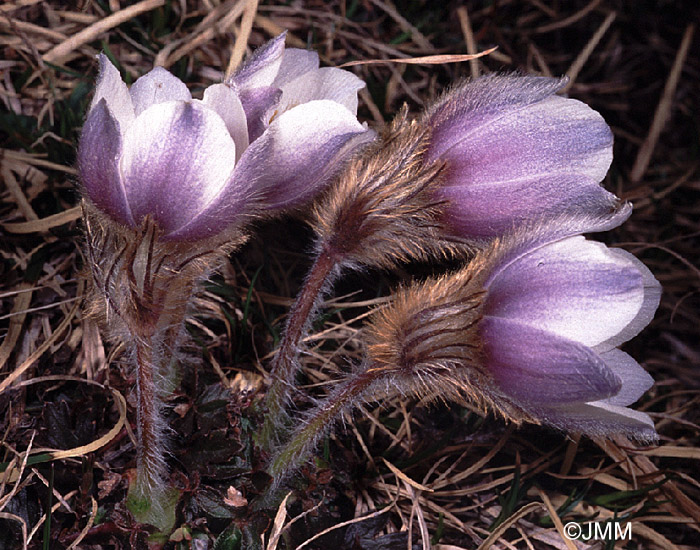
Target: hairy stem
{"x":150,"y":460}
{"x":318,"y":422}
{"x":285,"y":365}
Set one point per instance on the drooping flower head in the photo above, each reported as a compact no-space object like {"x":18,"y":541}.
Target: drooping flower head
{"x":515,"y":152}
{"x":530,"y":327}
{"x":491,"y":155}
{"x":199,"y":166}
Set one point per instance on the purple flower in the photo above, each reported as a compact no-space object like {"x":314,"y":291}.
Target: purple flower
{"x":553,"y":316}
{"x":195,"y":166}
{"x":515,"y":152}
{"x":288,"y":83}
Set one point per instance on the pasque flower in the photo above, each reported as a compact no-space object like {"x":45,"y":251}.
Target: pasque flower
{"x":553,"y":316}
{"x":198,"y":166}
{"x":492,"y":154}
{"x":515,"y":152}
{"x":531,"y":328}
{"x":169,"y":181}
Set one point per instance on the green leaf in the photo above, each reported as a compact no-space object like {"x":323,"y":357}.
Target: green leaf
{"x":230,"y":539}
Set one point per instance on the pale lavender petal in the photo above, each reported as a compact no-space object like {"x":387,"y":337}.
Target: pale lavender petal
{"x":601,"y":420}
{"x":259,"y":106}
{"x":177,"y":158}
{"x":326,"y":83}
{"x":112,"y":89}
{"x":157,"y":86}
{"x":553,"y":136}
{"x":295,"y":63}
{"x":515,"y":152}
{"x":261,"y":68}
{"x":483,"y":212}
{"x":463,"y":111}
{"x":575,"y":288}
{"x":98,"y":163}
{"x":635,"y":380}
{"x":222,"y":99}
{"x":536,"y":367}
{"x":652,"y":297}
{"x":300,"y":151}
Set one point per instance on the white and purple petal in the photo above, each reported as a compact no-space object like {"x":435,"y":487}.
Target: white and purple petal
{"x":482,"y":212}
{"x":259,"y":105}
{"x":157,"y":86}
{"x":225,"y":102}
{"x":635,"y":380}
{"x":295,"y":62}
{"x":98,"y":163}
{"x":539,"y":368}
{"x":600,"y":419}
{"x":516,"y":152}
{"x":575,"y":288}
{"x":112,"y":89}
{"x":300,"y":151}
{"x":262,"y":66}
{"x":464,"y":110}
{"x":177,"y":158}
{"x":650,"y":302}
{"x":325,"y":83}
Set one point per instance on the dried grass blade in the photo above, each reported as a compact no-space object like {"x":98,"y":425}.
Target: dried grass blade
{"x":278,"y":524}
{"x":663,"y":108}
{"x":88,"y":526}
{"x":18,"y":194}
{"x":556,"y":519}
{"x":569,"y":20}
{"x":403,"y":477}
{"x":62,"y":50}
{"x":44,"y":224}
{"x":425,"y":60}
{"x":343,"y":524}
{"x":503,"y":527}
{"x":18,"y":314}
{"x":12,"y":475}
{"x":7,"y":515}
{"x":582,"y":57}
{"x":466,"y":25}
{"x":19,"y":371}
{"x":249,"y":13}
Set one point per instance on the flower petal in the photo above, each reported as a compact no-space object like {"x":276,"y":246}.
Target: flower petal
{"x":575,"y":288}
{"x":225,"y":102}
{"x":300,"y":151}
{"x":635,"y":380}
{"x":295,"y":63}
{"x":326,"y":83}
{"x":486,"y":211}
{"x":157,"y":86}
{"x":553,"y":136}
{"x":259,"y":105}
{"x":98,"y":163}
{"x":536,"y":367}
{"x":462,"y":112}
{"x":261,"y":68}
{"x":515,"y":152}
{"x":652,"y":297}
{"x":601,"y":420}
{"x":112,"y":89}
{"x":177,"y":157}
